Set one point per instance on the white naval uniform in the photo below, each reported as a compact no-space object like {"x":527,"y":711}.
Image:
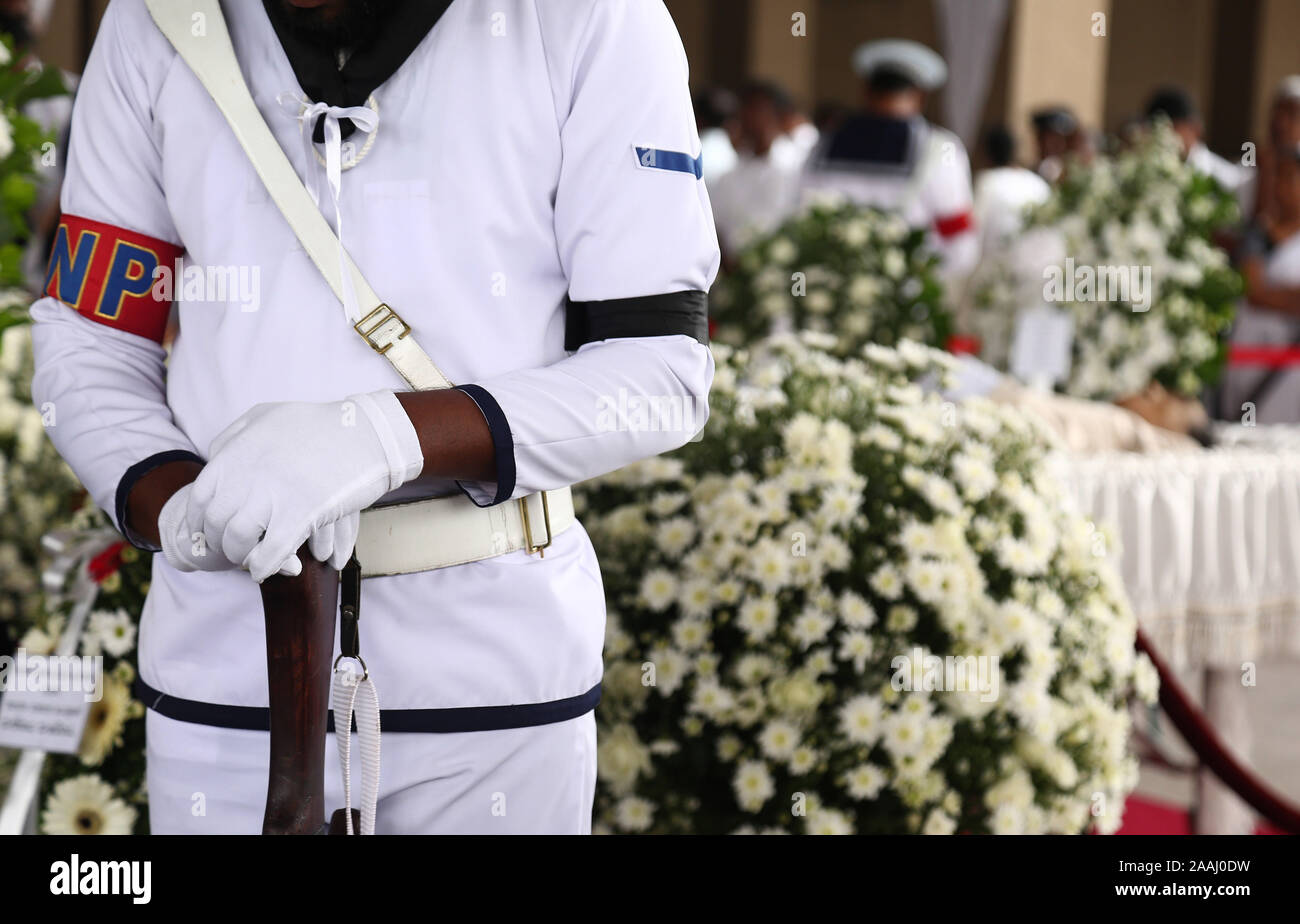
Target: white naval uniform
{"x":930,"y":188}
{"x":504,"y":176}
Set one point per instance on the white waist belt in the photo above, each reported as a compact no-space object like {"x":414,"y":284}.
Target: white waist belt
{"x":444,"y":531}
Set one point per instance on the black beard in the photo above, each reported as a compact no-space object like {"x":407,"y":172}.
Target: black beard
{"x":356,"y":25}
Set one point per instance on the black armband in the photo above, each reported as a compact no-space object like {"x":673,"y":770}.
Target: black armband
{"x":646,"y":316}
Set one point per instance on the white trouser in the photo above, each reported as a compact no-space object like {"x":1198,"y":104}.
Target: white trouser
{"x":537,"y":780}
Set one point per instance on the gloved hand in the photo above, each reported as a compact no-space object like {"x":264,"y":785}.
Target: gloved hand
{"x":284,"y":470}
{"x":189,"y":551}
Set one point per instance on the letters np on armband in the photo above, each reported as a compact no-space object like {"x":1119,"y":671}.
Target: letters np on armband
{"x":107,"y":273}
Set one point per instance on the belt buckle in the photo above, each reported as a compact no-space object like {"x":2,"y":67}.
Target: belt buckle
{"x":379,"y":334}
{"x":529,"y":546}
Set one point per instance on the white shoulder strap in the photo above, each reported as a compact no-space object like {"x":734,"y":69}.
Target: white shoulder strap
{"x":198,"y":31}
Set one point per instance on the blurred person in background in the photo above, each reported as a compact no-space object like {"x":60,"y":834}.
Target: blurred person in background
{"x":715,"y":119}
{"x":1174,"y":104}
{"x":1269,"y":315}
{"x":799,"y":134}
{"x":1283,"y":135}
{"x":1056,"y":136}
{"x":1004,"y":190}
{"x":762,"y":190}
{"x":891,"y":157}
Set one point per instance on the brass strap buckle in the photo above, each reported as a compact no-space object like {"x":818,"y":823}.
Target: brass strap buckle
{"x":529,"y":546}
{"x":382,"y":328}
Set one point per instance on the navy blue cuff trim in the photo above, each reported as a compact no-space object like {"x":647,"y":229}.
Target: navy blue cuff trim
{"x":503,"y":442}
{"x":435,"y":721}
{"x":645,"y":316}
{"x":129,"y":479}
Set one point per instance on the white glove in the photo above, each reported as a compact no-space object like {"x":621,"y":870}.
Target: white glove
{"x":188,"y":551}
{"x":282,"y":471}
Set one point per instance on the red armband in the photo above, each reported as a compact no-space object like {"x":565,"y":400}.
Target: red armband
{"x":106,"y":274}
{"x":954,"y":224}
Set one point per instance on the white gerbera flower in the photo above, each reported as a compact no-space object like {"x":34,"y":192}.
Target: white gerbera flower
{"x":86,"y":805}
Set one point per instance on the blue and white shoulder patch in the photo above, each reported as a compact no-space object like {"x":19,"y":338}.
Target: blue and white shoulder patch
{"x":673,"y":161}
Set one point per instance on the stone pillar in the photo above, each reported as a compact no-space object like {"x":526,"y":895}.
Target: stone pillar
{"x":1054,"y":58}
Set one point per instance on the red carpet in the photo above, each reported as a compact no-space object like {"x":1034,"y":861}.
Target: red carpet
{"x":1147,"y":816}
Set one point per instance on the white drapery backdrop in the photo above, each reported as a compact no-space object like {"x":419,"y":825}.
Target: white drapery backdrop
{"x":970,"y":32}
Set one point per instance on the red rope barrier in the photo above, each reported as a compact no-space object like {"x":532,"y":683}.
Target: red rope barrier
{"x":1210,"y":750}
{"x":1262,"y":354}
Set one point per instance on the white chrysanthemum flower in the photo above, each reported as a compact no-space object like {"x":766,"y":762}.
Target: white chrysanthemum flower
{"x":621,"y":757}
{"x":634,"y":814}
{"x":758,"y":617}
{"x":802,"y":760}
{"x":857,"y":647}
{"x":671,"y":668}
{"x":939,"y":822}
{"x":828,"y":821}
{"x":862,"y":719}
{"x":675,"y":535}
{"x":729,"y":748}
{"x":711,"y":699}
{"x":689,"y":633}
{"x":888,"y":582}
{"x":753,"y":785}
{"x":864,"y":781}
{"x":811,"y":627}
{"x":855,"y":611}
{"x":778,"y":739}
{"x":114,"y":632}
{"x":658,"y":589}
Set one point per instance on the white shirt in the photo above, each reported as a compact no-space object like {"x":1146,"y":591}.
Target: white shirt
{"x":503,"y":177}
{"x":1001,"y":196}
{"x":754,"y":198}
{"x":1235,"y":178}
{"x":718,"y":152}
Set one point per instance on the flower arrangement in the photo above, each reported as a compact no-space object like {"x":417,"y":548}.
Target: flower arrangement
{"x":857,"y":273}
{"x":101,"y":788}
{"x":38,"y":492}
{"x":21,"y":144}
{"x":856,"y":607}
{"x":1143,"y":211}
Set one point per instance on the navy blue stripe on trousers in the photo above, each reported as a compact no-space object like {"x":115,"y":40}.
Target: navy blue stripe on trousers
{"x":437,"y":721}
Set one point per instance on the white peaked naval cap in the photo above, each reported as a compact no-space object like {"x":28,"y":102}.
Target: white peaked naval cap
{"x":922,"y":65}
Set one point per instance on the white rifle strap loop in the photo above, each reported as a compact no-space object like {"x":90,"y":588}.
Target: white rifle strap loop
{"x":347,"y":685}
{"x":211,"y":57}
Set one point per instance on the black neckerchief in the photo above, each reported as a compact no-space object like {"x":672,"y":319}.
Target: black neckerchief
{"x":318,"y":71}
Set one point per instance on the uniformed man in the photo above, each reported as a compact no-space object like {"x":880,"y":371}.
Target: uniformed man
{"x":1176,"y":105}
{"x":1056,"y":136}
{"x":548,"y":243}
{"x":762,"y":190}
{"x":889,"y":156}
